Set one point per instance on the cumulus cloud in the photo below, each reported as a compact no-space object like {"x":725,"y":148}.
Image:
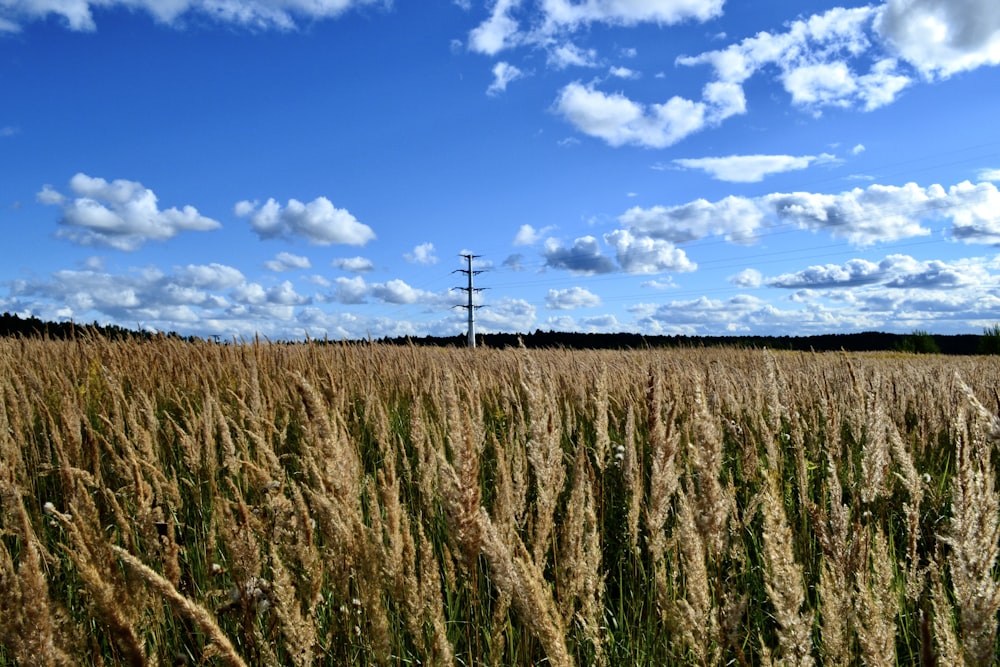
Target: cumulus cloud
{"x":737,"y":218}
{"x":422,"y":254}
{"x":498,"y":32}
{"x":818,"y":61}
{"x":620,"y":121}
{"x":121,"y":214}
{"x":506,"y":315}
{"x":747,"y":278}
{"x":261,"y":14}
{"x":286,"y":261}
{"x":353,"y":264}
{"x":567,"y":54}
{"x":975,"y":212}
{"x":584,"y":257}
{"x":553,"y":18}
{"x":633,"y":254}
{"x":644,"y":254}
{"x":853,"y":273}
{"x":503,"y":74}
{"x":751,"y":168}
{"x":569,"y":299}
{"x":895,"y":271}
{"x":397,"y":292}
{"x":623,"y":73}
{"x":210,"y":298}
{"x":878,"y":213}
{"x":528,"y":235}
{"x":990,"y":175}
{"x":319,"y":221}
{"x":863,"y":216}
{"x":943,"y":37}
{"x":215,"y":277}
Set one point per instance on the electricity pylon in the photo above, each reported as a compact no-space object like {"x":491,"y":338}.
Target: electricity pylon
{"x":470,"y":306}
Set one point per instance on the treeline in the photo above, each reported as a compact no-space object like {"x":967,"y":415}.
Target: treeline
{"x":868,"y":341}
{"x":32,"y":327}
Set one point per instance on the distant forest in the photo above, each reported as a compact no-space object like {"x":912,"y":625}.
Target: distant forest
{"x":867,"y":341}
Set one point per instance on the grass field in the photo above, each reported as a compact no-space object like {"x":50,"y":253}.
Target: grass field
{"x":169,"y":502}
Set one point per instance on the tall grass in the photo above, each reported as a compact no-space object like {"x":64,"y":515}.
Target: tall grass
{"x":171,"y":502}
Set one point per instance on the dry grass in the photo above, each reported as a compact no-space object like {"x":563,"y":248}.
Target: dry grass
{"x":165,"y":501}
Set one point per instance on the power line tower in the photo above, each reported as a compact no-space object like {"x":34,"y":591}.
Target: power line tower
{"x":470,"y":290}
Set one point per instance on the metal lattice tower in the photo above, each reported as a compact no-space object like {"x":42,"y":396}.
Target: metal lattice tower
{"x":470,"y":290}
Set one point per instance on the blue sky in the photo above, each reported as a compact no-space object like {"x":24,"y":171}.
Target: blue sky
{"x":700,"y":167}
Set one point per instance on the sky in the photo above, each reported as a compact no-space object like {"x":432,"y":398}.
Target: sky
{"x":319,"y":168}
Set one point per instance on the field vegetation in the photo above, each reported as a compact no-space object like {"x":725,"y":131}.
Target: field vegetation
{"x":180,"y":502}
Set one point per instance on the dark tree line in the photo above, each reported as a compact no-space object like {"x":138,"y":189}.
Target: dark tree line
{"x":868,"y":341}
{"x":32,"y":327}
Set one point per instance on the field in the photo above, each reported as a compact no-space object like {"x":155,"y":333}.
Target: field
{"x":170,"y":502}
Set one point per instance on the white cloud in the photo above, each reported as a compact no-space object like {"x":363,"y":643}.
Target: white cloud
{"x":528,"y":235}
{"x":567,"y":54}
{"x":878,"y":213}
{"x":858,"y":149}
{"x":623,"y":73}
{"x":354,"y":264}
{"x":503,"y":74}
{"x":751,"y":168}
{"x":863,"y":216}
{"x":571,"y":14}
{"x":747,"y":278}
{"x":584,"y":257}
{"x":569,"y":299}
{"x":422,"y":254}
{"x":507,"y":314}
{"x":990,"y":175}
{"x":853,"y":273}
{"x":737,"y":218}
{"x":319,"y":221}
{"x":120,"y":214}
{"x":78,"y":14}
{"x":620,"y":121}
{"x":943,"y":37}
{"x":817,"y":60}
{"x":821,"y":84}
{"x":286,"y":261}
{"x":397,"y":292}
{"x":975,"y":212}
{"x":644,"y":254}
{"x":214,"y":277}
{"x":555,"y":18}
{"x":892,"y":281}
{"x":498,"y":32}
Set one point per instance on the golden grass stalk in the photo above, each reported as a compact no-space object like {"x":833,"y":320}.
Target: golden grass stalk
{"x":545,"y":454}
{"x":835,"y":589}
{"x":973,"y":533}
{"x":876,"y":603}
{"x":193,"y":612}
{"x":694,"y":611}
{"x":28,"y":626}
{"x":784,"y":581}
{"x":512,"y":569}
{"x":578,"y":563}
